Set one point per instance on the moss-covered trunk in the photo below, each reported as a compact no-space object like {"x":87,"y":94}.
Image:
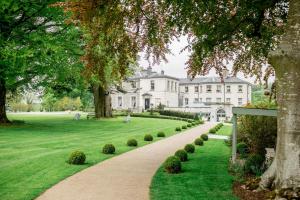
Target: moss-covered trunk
{"x":284,"y":173}
{"x":102,"y":102}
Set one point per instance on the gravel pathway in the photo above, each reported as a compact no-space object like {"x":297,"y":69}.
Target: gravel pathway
{"x":124,"y":177}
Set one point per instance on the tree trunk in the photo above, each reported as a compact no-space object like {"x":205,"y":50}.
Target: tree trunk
{"x":3,"y":117}
{"x":285,"y":171}
{"x":102,"y":102}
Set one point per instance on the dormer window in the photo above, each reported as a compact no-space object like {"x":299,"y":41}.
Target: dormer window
{"x":133,"y":84}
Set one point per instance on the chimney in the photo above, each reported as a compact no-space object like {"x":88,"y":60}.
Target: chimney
{"x":149,"y":70}
{"x":225,"y":73}
{"x":162,"y":72}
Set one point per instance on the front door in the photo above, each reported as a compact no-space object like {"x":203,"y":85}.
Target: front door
{"x":147,"y":104}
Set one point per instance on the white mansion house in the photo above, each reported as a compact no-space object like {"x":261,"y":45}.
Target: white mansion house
{"x":208,"y":96}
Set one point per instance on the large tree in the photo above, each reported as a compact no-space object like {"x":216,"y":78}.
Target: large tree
{"x":249,"y":34}
{"x":35,"y":44}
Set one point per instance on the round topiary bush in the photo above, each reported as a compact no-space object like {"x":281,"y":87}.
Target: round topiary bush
{"x":108,"y":149}
{"x":190,"y":148}
{"x":148,"y":137}
{"x":204,"y":137}
{"x":177,"y":129}
{"x":77,"y":158}
{"x":132,"y":143}
{"x":182,"y":155}
{"x":161,"y":134}
{"x":172,"y":165}
{"x":212,"y":130}
{"x":189,"y":125}
{"x":184,"y":127}
{"x":198,"y":141}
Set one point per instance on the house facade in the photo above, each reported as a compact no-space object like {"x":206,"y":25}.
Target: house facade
{"x":209,"y":96}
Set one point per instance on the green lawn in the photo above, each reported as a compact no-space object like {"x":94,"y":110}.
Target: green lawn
{"x":225,"y":130}
{"x":204,"y":176}
{"x":33,"y":156}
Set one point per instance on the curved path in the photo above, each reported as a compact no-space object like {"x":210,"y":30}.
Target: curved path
{"x":124,"y":177}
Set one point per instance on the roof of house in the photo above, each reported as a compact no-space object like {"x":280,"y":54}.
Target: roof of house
{"x":148,"y":74}
{"x":199,"y":80}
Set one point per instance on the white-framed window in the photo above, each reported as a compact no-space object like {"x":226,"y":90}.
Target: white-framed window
{"x":197,"y":89}
{"x":228,"y":88}
{"x":208,"y":100}
{"x":196,"y":100}
{"x":133,"y":84}
{"x":200,"y":88}
{"x":240,"y":101}
{"x":133,"y":102}
{"x":172,"y":86}
{"x":175,"y":87}
{"x":186,"y":88}
{"x":240,"y":88}
{"x":219,"y":88}
{"x":120,"y":102}
{"x":152,"y":85}
{"x":186,"y":101}
{"x":168,"y":86}
{"x":227,"y":100}
{"x":208,"y":88}
{"x":219,"y":100}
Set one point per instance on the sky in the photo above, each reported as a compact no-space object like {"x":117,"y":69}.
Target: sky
{"x":176,"y":62}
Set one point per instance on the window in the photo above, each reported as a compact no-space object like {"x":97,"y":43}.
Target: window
{"x":152,"y":86}
{"x":228,"y":89}
{"x":133,"y":102}
{"x":196,"y":89}
{"x":208,"y":88}
{"x":196,"y":100}
{"x":240,"y":101}
{"x":200,"y":100}
{"x":219,"y":88}
{"x":200,"y":88}
{"x":186,"y":101}
{"x":208,"y":100}
{"x":240,"y":88}
{"x":120,"y":102}
{"x":219,"y":100}
{"x":186,"y":88}
{"x":168,"y":86}
{"x":227,"y":100}
{"x":175,"y":87}
{"x":133,"y":84}
{"x":172,"y":86}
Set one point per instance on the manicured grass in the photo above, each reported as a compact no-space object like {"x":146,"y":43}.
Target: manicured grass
{"x":204,"y":176}
{"x":33,"y":156}
{"x":225,"y":130}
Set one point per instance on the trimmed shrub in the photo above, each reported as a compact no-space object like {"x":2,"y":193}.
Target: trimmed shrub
{"x":212,"y":130}
{"x":108,"y":149}
{"x":193,"y":124}
{"x":253,"y":164}
{"x":204,"y":137}
{"x":189,"y":125}
{"x":177,"y":129}
{"x":178,"y":114}
{"x":189,"y":121}
{"x":161,"y":134}
{"x":184,"y":127}
{"x":148,"y":137}
{"x":182,"y":155}
{"x":242,"y":148}
{"x":198,"y":141}
{"x":190,"y":148}
{"x":172,"y":165}
{"x":132,"y":143}
{"x":77,"y":158}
